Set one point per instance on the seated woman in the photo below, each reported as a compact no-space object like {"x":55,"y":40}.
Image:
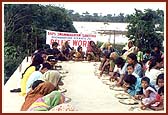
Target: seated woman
{"x":41,"y":90}
{"x":37,"y":60}
{"x":36,"y":75}
{"x":106,"y":51}
{"x":109,"y":63}
{"x":66,"y":50}
{"x":79,"y":56}
{"x":132,"y":84}
{"x":129,"y":48}
{"x":47,"y":102}
{"x":53,"y":77}
{"x":154,"y":70}
{"x":93,"y":52}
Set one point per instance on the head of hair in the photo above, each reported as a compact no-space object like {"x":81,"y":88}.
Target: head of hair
{"x":148,"y":51}
{"x":54,"y":44}
{"x":133,"y":57}
{"x":119,"y":61}
{"x":130,"y":65}
{"x":79,"y":47}
{"x":160,"y":76}
{"x":145,"y":79}
{"x":36,"y":83}
{"x":154,"y":61}
{"x":131,"y":79}
{"x":37,"y":60}
{"x":161,"y":90}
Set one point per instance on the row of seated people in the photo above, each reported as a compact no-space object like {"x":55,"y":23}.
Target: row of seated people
{"x":142,"y":81}
{"x":40,"y":85}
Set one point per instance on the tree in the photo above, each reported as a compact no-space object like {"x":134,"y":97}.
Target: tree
{"x":26,"y":23}
{"x":142,"y":28}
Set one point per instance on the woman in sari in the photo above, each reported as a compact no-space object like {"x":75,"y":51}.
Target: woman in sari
{"x":66,"y":50}
{"x":53,"y":77}
{"x":93,"y":52}
{"x":129,"y":48}
{"x":47,"y":102}
{"x":41,"y":90}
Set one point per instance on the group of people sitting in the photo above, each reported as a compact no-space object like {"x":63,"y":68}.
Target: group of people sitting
{"x":40,"y":84}
{"x":66,"y":52}
{"x":141,"y":78}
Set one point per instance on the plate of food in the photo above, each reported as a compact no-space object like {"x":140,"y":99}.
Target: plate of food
{"x":63,"y":71}
{"x":128,"y":101}
{"x":116,"y":88}
{"x":123,"y":96}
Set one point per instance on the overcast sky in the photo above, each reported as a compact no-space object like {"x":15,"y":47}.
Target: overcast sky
{"x":110,"y":7}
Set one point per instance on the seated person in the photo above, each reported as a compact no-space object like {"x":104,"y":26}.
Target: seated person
{"x":132,"y":84}
{"x":159,"y":102}
{"x":36,"y":75}
{"x":119,"y":70}
{"x":109,"y":64}
{"x":47,"y":102}
{"x":52,"y":61}
{"x":79,"y":56}
{"x":93,"y":52}
{"x":66,"y":49}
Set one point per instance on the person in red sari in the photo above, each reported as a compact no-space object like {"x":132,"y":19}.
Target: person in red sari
{"x":93,"y":52}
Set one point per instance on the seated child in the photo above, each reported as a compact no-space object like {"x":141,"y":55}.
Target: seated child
{"x":130,"y":70}
{"x":159,"y":81}
{"x":79,"y":55}
{"x":149,"y":93}
{"x":159,"y":102}
{"x":132,"y":84}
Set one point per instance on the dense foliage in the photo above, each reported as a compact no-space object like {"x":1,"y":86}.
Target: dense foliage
{"x":25,"y":26}
{"x":146,"y":28}
{"x":95,"y":17}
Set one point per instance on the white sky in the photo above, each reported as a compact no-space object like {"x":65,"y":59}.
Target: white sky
{"x":111,"y":7}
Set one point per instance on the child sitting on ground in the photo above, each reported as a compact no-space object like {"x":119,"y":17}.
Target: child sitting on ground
{"x":149,"y":93}
{"x":132,"y":84}
{"x":130,"y":70}
{"x":159,"y":102}
{"x":159,"y":81}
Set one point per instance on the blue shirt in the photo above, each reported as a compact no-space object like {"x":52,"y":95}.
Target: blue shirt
{"x":33,"y":77}
{"x":135,"y":88}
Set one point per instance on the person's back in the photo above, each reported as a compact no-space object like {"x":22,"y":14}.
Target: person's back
{"x":37,"y":60}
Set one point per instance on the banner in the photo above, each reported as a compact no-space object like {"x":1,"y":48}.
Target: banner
{"x":74,"y":39}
